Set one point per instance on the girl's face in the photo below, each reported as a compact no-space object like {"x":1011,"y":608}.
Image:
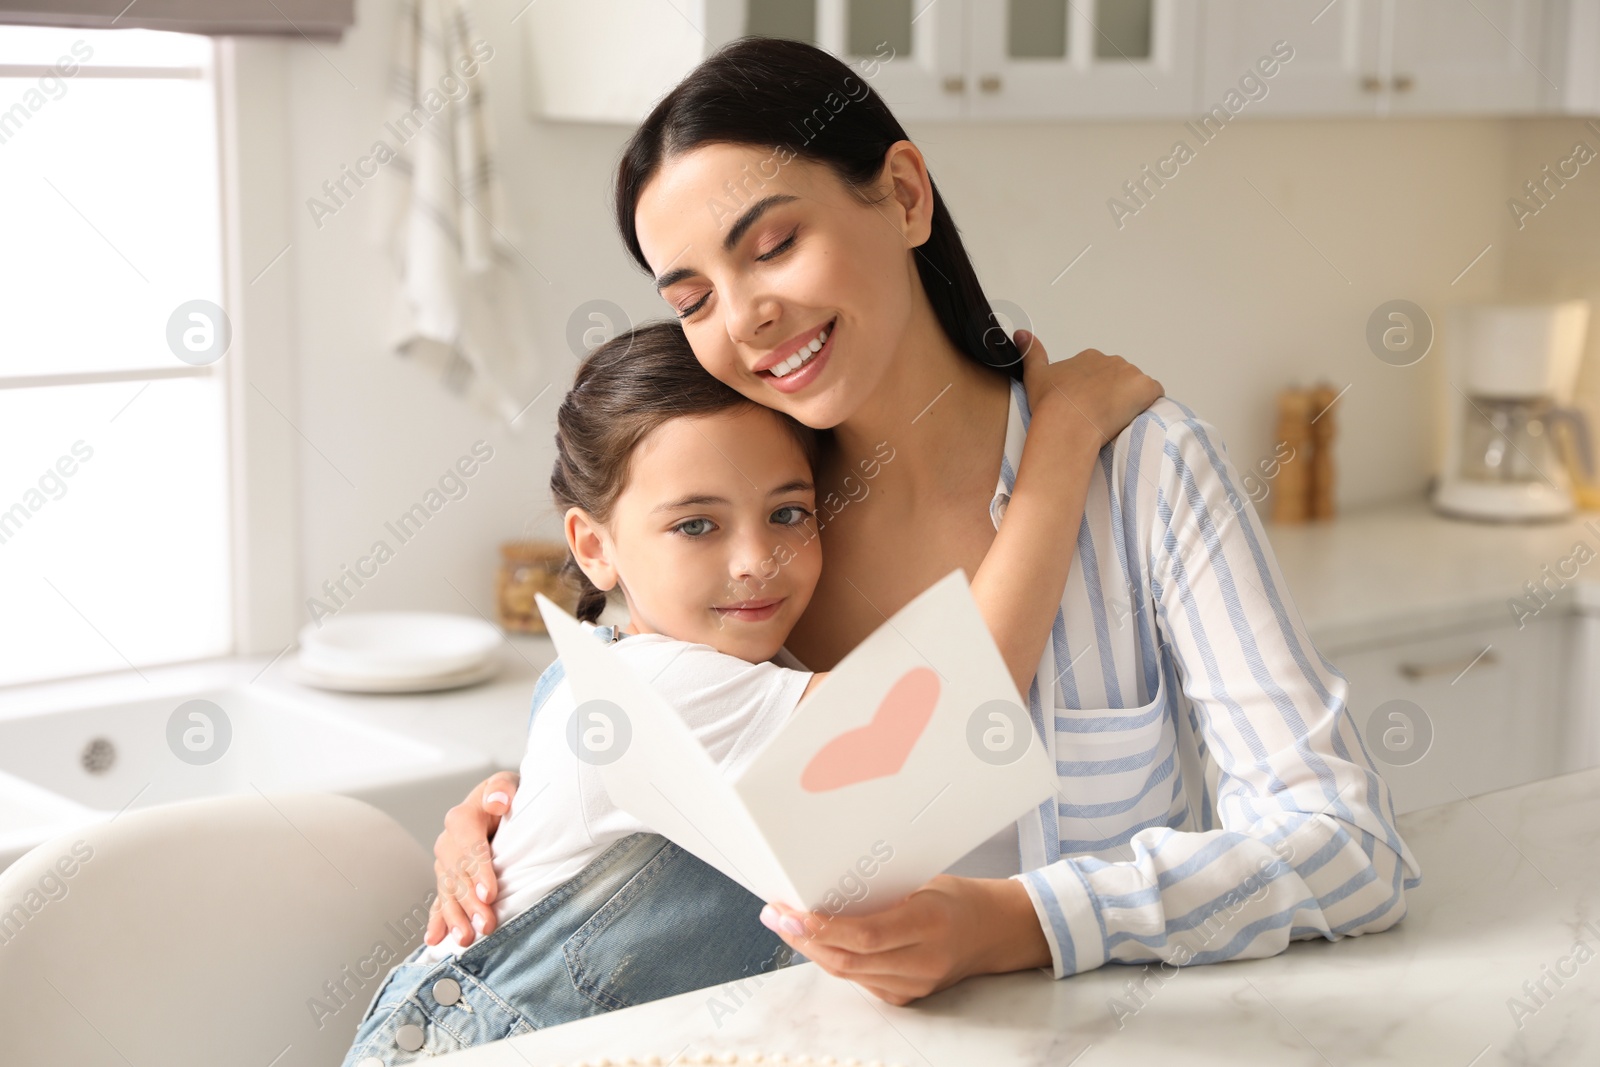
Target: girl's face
{"x":712,"y":537}
{"x":760,"y":253}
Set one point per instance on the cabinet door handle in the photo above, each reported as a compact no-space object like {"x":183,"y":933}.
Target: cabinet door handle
{"x":1371,"y":83}
{"x":1403,"y":82}
{"x":989,"y":83}
{"x":1417,"y":671}
{"x":955,"y":83}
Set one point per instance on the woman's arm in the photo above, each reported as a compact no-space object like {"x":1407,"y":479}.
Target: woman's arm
{"x":1307,"y":846}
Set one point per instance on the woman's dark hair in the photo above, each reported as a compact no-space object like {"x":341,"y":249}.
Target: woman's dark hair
{"x":625,"y":388}
{"x":769,"y":92}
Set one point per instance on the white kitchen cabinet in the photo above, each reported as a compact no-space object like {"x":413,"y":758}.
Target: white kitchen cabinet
{"x":1481,"y":58}
{"x":1334,"y":69}
{"x":1003,"y":59}
{"x":610,"y":60}
{"x":996,"y":60}
{"x":910,"y":51}
{"x":1493,"y":698}
{"x":1572,"y":43}
{"x":1581,"y":739}
{"x":1390,"y":57}
{"x":1051,"y":59}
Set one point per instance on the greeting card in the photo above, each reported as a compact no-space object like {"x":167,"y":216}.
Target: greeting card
{"x":913,"y":751}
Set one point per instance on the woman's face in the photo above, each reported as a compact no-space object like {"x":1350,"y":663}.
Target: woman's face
{"x":760,"y":253}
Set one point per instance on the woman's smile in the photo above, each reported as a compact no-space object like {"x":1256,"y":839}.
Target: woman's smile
{"x":803,"y":364}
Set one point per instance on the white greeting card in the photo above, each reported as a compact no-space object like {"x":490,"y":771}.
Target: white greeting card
{"x":913,"y":751}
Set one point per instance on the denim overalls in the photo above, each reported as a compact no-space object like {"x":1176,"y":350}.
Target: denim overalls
{"x":645,"y":920}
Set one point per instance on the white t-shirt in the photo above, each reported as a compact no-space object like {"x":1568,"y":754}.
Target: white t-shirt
{"x":562,"y":818}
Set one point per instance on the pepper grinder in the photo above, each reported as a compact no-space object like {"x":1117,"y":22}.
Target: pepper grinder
{"x":1291,"y":497}
{"x":1322,"y":427}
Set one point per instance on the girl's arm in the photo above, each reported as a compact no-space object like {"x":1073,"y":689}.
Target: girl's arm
{"x":1077,"y":405}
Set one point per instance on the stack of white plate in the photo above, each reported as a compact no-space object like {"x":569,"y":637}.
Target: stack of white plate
{"x":397,"y":652}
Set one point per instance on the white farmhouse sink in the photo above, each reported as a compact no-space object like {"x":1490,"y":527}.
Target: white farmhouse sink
{"x":80,"y":765}
{"x":29,"y":815}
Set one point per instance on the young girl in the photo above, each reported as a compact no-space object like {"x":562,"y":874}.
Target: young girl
{"x":691,"y":498}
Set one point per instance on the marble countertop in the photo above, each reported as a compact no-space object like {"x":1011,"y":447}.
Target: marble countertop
{"x":1511,"y":887}
{"x":1400,"y":569}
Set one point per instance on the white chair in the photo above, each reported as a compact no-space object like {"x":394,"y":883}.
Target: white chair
{"x":244,"y":930}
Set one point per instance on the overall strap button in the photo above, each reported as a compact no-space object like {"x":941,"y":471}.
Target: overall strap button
{"x":408,"y":1037}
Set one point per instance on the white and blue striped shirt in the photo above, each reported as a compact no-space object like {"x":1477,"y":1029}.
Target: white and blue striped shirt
{"x":1215,"y":797}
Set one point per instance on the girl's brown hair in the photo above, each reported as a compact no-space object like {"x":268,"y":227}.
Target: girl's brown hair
{"x":624,"y":389}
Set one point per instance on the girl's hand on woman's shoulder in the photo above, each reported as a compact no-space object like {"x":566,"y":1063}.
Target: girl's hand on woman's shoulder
{"x":1090,"y":394}
{"x":463,"y":866}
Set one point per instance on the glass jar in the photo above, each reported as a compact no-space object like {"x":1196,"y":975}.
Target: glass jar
{"x":526,"y":568}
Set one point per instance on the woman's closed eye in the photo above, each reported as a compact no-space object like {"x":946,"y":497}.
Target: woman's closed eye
{"x":696,"y":306}
{"x":782,"y":247}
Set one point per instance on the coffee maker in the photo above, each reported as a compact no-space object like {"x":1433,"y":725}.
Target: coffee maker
{"x":1509,"y":393}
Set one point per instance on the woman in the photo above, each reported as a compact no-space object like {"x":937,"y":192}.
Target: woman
{"x":1215,"y":797}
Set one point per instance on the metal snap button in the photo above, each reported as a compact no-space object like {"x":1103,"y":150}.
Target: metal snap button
{"x":408,"y":1037}
{"x":447,"y":991}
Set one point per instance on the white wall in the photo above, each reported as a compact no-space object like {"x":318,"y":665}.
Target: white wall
{"x":1224,"y":291}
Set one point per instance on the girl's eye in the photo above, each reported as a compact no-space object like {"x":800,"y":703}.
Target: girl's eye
{"x":684,"y":528}
{"x":797,"y":513}
{"x":780,"y":249}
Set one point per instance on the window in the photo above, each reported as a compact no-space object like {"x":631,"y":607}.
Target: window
{"x":114,"y":489}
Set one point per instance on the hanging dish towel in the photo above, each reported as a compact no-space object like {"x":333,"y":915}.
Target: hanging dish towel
{"x":444,"y":217}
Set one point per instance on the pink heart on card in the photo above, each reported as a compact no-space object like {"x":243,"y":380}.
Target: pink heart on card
{"x":881,"y":747}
